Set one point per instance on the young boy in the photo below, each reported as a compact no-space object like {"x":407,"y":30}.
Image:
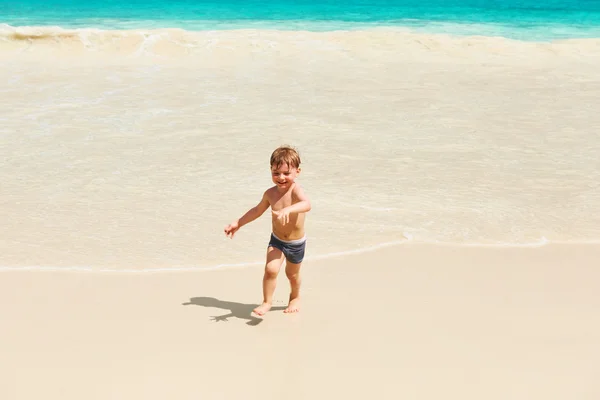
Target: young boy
{"x":288,"y":205}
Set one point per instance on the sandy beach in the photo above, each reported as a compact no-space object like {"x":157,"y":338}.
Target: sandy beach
{"x":125,"y":153}
{"x":411,"y":321}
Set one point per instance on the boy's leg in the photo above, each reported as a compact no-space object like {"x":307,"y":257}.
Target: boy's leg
{"x":274,"y":260}
{"x":292,"y":271}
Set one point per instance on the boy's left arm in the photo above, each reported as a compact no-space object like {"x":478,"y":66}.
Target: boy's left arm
{"x":303,"y":203}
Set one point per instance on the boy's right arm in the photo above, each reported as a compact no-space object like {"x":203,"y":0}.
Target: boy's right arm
{"x":255,"y":211}
{"x":250,"y":216}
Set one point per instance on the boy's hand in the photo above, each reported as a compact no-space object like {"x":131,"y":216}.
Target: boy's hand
{"x":231,"y":229}
{"x":283,"y":215}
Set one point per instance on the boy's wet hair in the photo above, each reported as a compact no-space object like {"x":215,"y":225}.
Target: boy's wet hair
{"x":285,"y":155}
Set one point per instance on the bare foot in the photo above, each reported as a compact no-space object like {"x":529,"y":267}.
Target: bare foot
{"x":293,"y":307}
{"x":262,"y":309}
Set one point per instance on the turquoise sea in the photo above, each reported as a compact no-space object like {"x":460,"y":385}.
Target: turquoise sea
{"x":516,"y":19}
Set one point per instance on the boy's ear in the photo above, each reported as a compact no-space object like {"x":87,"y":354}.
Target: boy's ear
{"x":298,"y":170}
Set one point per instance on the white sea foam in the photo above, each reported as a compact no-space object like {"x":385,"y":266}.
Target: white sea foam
{"x":170,"y":42}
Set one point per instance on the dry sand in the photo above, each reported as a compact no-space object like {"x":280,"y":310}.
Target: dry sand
{"x":407,"y":322}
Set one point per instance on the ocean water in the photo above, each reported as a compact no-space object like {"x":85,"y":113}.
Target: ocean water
{"x":519,"y":19}
{"x":131,"y":134}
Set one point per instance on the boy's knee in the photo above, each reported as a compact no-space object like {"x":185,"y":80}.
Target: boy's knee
{"x":271,"y":272}
{"x":293,"y":276}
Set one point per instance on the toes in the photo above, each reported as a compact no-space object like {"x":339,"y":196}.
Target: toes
{"x":260,"y":311}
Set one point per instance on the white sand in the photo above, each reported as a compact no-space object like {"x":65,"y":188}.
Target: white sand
{"x":131,"y":151}
{"x":414,"y":322}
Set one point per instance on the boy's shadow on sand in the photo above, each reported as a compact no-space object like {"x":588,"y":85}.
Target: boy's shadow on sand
{"x":236,"y":310}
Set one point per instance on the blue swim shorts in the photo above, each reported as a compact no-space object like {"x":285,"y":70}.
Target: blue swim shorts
{"x":293,"y":250}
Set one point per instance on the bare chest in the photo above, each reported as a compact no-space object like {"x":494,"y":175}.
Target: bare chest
{"x":279,"y":201}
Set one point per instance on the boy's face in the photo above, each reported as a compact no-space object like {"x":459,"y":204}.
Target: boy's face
{"x":284,"y":175}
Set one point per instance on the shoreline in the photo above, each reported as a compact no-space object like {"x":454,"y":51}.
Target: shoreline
{"x":396,"y":245}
